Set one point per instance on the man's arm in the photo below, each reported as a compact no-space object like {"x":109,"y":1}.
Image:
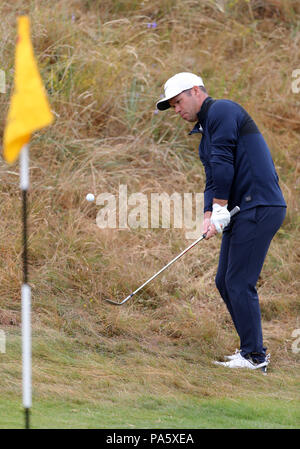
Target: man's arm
{"x":223,"y":137}
{"x":223,"y":131}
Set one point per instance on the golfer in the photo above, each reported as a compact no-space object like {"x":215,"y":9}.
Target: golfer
{"x":239,"y":172}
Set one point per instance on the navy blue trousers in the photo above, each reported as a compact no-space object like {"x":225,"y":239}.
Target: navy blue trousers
{"x":245,"y":243}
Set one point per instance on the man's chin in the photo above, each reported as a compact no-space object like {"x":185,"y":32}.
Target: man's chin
{"x":188,"y":118}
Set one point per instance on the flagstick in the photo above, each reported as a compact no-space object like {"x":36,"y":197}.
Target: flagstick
{"x":26,"y":292}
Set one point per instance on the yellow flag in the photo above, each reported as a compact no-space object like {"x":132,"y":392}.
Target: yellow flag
{"x":29,"y":108}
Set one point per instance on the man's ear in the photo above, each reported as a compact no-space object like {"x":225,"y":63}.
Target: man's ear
{"x":196,"y":90}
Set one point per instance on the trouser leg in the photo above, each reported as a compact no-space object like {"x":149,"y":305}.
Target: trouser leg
{"x":243,"y":251}
{"x":221,"y":274}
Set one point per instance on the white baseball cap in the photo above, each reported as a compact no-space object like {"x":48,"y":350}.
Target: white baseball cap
{"x":177,"y":84}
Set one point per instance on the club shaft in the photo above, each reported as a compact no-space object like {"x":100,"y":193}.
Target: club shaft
{"x":167,"y":266}
{"x":159,"y":272}
{"x":235,"y":210}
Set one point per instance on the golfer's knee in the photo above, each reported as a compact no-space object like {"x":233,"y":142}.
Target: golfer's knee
{"x":234,"y":286}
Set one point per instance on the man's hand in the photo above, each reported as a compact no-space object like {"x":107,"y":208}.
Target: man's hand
{"x":211,"y":232}
{"x":208,"y":228}
{"x":206,"y":224}
{"x":220,"y":217}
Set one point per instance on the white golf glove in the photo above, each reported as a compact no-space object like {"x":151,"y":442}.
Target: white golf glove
{"x":220,"y":217}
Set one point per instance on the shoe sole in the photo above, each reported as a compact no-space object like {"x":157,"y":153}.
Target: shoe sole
{"x":262,"y":367}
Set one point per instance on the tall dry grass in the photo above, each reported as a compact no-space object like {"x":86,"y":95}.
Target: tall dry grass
{"x":104,"y":64}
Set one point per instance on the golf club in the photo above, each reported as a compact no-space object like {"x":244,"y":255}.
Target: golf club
{"x":234,"y":211}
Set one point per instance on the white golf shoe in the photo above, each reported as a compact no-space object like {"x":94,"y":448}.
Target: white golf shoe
{"x":233,"y":356}
{"x":239,"y":361}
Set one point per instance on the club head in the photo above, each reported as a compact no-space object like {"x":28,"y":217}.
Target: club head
{"x":114,"y":303}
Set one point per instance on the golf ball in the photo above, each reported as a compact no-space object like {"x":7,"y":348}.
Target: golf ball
{"x":90,"y":197}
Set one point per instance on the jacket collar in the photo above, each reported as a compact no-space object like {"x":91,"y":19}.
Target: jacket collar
{"x":202,"y":114}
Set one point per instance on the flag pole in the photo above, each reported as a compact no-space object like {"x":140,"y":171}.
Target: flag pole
{"x":29,"y":111}
{"x":25,"y":292}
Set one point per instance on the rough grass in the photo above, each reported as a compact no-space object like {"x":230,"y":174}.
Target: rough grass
{"x":126,"y":383}
{"x":104,"y":68}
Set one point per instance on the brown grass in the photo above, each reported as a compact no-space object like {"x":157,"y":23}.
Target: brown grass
{"x":104,"y":69}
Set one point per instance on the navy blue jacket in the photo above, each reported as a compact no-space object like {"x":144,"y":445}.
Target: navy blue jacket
{"x":237,"y":161}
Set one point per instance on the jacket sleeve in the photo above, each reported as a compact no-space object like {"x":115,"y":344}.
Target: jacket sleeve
{"x":209,"y":187}
{"x":223,"y":131}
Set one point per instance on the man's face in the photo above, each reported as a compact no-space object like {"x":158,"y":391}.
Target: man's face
{"x":186,"y":104}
